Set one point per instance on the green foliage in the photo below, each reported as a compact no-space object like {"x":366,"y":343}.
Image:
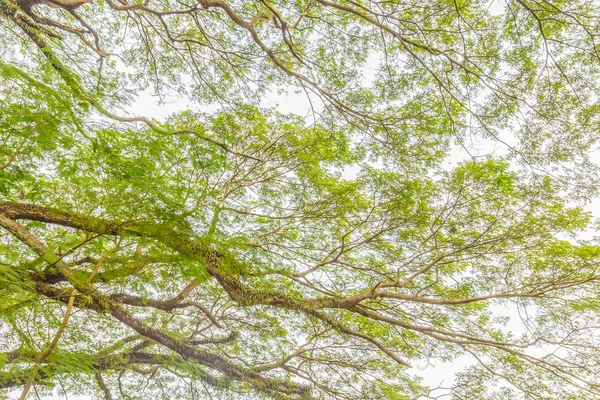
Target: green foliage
{"x":250,"y":253}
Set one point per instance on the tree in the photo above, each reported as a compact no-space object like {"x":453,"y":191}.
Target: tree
{"x":247,"y":253}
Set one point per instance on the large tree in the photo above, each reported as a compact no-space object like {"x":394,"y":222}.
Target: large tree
{"x":247,"y":253}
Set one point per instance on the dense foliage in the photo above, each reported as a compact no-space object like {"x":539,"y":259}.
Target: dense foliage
{"x":246,"y":253}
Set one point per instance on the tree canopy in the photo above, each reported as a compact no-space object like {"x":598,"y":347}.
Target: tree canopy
{"x":246,"y":253}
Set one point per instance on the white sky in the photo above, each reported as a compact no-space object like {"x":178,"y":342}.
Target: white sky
{"x":441,"y":374}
